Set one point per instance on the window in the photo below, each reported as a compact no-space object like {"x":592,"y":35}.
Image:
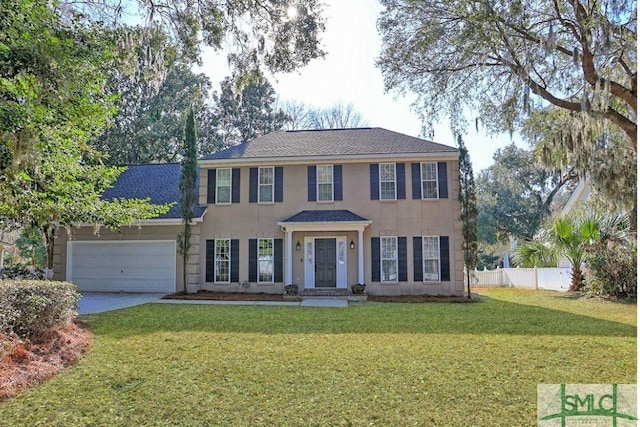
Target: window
{"x":325,"y":183}
{"x":429,"y":176}
{"x":265,"y":260}
{"x":223,"y":186}
{"x":431,"y":258}
{"x":387,"y":181}
{"x":222,"y":267}
{"x":265,"y":185}
{"x":389,"y":259}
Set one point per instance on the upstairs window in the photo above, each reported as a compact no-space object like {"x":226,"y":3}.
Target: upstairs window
{"x":429,"y":178}
{"x":265,"y":184}
{"x":387,"y":181}
{"x":223,"y":186}
{"x":325,"y":183}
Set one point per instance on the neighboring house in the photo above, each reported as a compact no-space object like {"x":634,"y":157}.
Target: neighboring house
{"x":319,"y":208}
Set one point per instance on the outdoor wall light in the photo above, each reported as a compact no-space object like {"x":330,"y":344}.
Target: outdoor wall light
{"x":298,"y":246}
{"x":352,"y":245}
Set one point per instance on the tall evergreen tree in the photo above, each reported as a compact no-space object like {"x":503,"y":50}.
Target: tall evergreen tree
{"x":188,"y":189}
{"x":468,"y":211}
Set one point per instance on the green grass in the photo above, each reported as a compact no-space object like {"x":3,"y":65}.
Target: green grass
{"x":370,"y":364}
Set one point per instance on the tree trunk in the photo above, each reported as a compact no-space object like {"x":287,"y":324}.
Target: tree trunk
{"x":576,"y":278}
{"x":48,"y":238}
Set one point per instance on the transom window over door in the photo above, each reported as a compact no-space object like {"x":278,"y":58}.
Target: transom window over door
{"x":223,"y":186}
{"x":389,"y":259}
{"x":265,"y":184}
{"x":387,"y":181}
{"x":222,"y":267}
{"x":325,"y":182}
{"x":431,"y":258}
{"x":265,"y":260}
{"x":429,"y":174}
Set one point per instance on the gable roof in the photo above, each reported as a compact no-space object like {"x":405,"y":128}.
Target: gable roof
{"x":330,"y":142}
{"x":158,"y":182}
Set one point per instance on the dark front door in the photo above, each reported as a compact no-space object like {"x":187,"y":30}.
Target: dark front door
{"x":325,"y":263}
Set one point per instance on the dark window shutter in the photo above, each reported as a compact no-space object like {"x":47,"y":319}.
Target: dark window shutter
{"x":311,"y":183}
{"x":402,"y":259}
{"x":253,"y":185}
{"x":401,"y":191}
{"x":375,"y":259}
{"x":443,"y":191}
{"x":416,"y":181}
{"x":374,"y":179}
{"x":418,"y":273}
{"x":278,"y":191}
{"x":278,"y":275}
{"x":235,"y":260}
{"x":253,"y":260}
{"x":445,"y":274}
{"x":211,"y":186}
{"x":337,"y":182}
{"x":235,"y":185}
{"x":210,"y":255}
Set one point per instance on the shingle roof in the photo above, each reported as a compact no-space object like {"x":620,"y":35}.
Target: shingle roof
{"x":158,"y":182}
{"x":339,"y":215}
{"x":358,"y":141}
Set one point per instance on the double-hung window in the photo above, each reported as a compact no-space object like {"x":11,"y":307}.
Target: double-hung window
{"x":429,"y":177}
{"x":223,"y":186}
{"x":389,"y":259}
{"x":265,"y":184}
{"x":222,"y":266}
{"x":325,"y":183}
{"x":387,"y":181}
{"x":431,"y":258}
{"x":265,"y":260}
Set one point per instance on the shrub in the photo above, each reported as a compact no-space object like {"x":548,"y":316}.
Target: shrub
{"x":612,"y":268}
{"x":21,"y":272}
{"x":30,"y":307}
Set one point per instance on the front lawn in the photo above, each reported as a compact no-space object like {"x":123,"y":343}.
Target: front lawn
{"x":370,"y":364}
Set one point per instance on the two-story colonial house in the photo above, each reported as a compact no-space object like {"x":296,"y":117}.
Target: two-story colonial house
{"x":318,"y":208}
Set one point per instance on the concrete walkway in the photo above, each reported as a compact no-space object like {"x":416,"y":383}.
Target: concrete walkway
{"x":98,"y":302}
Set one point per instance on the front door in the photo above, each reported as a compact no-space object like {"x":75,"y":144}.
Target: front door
{"x":325,"y":257}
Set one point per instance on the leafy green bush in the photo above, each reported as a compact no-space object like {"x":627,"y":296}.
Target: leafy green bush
{"x":30,"y":307}
{"x":612,"y":268}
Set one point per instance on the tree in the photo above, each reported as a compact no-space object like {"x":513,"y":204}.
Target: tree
{"x":339,"y":116}
{"x":149,"y":123}
{"x":244,"y":110}
{"x":188,"y":189}
{"x":506,"y":59}
{"x":52,"y":103}
{"x":468,"y":211}
{"x":515,"y":194}
{"x":280,"y":36}
{"x":569,"y":236}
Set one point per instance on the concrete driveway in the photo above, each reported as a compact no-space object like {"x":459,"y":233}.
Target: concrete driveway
{"x":98,"y":302}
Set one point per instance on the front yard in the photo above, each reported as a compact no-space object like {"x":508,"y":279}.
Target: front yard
{"x":370,"y":364}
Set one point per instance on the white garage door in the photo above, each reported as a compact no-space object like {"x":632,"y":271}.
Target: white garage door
{"x":128,"y":266}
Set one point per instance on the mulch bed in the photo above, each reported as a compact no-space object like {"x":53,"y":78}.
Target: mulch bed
{"x":238,"y":296}
{"x":24,"y":364}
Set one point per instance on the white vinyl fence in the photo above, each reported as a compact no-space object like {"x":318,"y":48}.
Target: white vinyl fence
{"x":554,"y":279}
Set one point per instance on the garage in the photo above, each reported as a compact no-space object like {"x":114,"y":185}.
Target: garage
{"x":122,"y":266}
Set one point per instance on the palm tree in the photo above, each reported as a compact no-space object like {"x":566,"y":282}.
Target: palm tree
{"x":567,"y":236}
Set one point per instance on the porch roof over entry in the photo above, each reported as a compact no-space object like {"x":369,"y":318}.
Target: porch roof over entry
{"x":337,"y":215}
{"x":335,"y":219}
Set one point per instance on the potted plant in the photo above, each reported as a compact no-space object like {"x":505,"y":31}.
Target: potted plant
{"x":291,"y":289}
{"x":358,"y":288}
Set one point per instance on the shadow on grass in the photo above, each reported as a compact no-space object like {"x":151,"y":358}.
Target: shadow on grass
{"x":492,"y":316}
